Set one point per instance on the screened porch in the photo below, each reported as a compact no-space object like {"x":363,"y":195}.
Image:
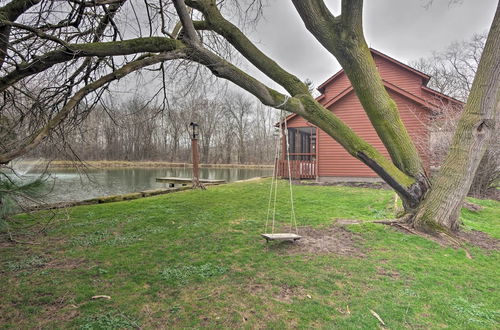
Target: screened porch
{"x":300,"y":158}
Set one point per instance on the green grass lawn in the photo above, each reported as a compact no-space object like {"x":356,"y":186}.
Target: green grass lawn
{"x":195,"y":259}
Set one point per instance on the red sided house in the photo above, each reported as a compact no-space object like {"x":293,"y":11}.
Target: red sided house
{"x":315,"y":155}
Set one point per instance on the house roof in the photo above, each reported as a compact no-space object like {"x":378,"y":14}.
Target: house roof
{"x":439,"y":94}
{"x":423,"y":102}
{"x":417,"y":99}
{"x":425,"y":77}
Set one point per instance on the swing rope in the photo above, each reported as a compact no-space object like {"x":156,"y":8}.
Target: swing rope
{"x":273,"y":191}
{"x":293,"y":219}
{"x":276,"y":152}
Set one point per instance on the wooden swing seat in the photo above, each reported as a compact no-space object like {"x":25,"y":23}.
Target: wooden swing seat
{"x":281,"y":237}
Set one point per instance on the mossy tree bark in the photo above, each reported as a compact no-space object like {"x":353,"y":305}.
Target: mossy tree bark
{"x":440,"y":209}
{"x":343,"y":37}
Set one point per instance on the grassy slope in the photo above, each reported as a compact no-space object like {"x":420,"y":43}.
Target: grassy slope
{"x":195,"y":259}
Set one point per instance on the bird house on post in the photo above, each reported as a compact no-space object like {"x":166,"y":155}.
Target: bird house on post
{"x":196,"y":158}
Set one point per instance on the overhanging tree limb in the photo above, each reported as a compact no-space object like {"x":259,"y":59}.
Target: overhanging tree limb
{"x":35,"y":139}
{"x":301,"y":103}
{"x":111,"y":48}
{"x":307,"y":107}
{"x":235,"y":37}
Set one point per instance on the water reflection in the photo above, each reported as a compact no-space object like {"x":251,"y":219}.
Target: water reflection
{"x":70,"y":185}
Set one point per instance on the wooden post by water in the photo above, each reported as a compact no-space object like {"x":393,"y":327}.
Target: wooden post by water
{"x":196,"y":158}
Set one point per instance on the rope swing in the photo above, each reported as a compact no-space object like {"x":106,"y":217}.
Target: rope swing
{"x":293,"y":233}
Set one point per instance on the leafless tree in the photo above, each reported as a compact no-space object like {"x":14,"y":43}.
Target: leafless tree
{"x":238,"y":108}
{"x":453,"y":71}
{"x":138,"y":130}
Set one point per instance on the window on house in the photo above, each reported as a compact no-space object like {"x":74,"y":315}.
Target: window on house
{"x":302,"y":143}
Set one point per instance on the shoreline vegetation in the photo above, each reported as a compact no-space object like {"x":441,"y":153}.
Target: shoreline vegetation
{"x":142,"y":164}
{"x":105,"y":199}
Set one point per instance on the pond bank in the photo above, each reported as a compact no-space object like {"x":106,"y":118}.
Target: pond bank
{"x":106,"y":199}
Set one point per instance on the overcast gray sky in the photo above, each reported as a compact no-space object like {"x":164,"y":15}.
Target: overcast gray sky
{"x":403,"y":29}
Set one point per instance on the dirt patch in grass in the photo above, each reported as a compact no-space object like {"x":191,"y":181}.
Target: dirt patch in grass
{"x":61,"y":263}
{"x":287,"y":293}
{"x":480,"y":239}
{"x":258,"y":289}
{"x":59,"y":311}
{"x":387,"y":272}
{"x":334,"y":239}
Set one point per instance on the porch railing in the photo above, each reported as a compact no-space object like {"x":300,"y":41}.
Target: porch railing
{"x":299,"y":169}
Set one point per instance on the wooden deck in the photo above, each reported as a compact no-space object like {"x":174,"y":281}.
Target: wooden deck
{"x":299,"y":169}
{"x":185,"y":181}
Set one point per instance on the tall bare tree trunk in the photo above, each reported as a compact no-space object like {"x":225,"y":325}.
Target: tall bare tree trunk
{"x":440,"y":208}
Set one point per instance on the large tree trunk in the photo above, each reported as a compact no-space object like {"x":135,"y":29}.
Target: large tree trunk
{"x":440,"y":209}
{"x":434,"y":208}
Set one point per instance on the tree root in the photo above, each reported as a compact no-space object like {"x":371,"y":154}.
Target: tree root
{"x":442,"y":238}
{"x":198,"y":185}
{"x":13,"y":240}
{"x":401,"y":224}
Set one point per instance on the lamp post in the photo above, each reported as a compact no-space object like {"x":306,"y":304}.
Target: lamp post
{"x":196,"y":160}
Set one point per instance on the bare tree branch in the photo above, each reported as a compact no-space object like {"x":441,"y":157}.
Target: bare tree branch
{"x":231,"y":33}
{"x":42,"y":133}
{"x":112,"y":48}
{"x":11,"y":12}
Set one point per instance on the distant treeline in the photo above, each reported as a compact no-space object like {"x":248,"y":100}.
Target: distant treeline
{"x":232,"y":129}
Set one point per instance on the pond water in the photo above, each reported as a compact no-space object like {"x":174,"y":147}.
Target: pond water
{"x":70,"y":185}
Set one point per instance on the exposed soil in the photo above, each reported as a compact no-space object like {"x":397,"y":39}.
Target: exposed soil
{"x":66,"y":263}
{"x":480,"y":239}
{"x":287,"y":293}
{"x":329,"y":240}
{"x":387,"y":272}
